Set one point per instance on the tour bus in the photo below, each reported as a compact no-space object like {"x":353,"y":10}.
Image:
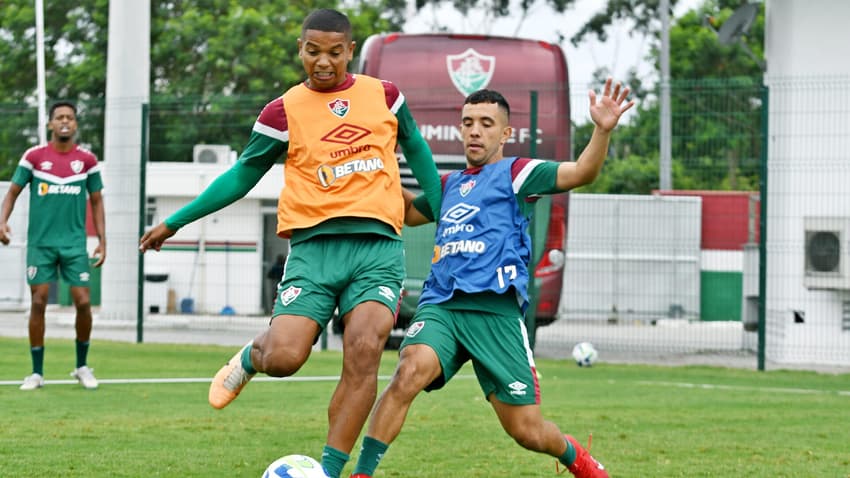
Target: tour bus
{"x":436,"y":72}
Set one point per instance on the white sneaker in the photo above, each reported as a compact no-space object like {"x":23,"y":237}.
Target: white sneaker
{"x":86,"y":377}
{"x":32,"y":382}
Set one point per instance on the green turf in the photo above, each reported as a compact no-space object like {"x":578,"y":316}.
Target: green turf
{"x":646,"y":421}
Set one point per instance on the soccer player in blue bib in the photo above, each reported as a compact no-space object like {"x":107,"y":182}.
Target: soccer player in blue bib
{"x":473,"y":301}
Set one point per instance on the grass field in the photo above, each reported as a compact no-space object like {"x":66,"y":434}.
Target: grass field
{"x":646,"y":421}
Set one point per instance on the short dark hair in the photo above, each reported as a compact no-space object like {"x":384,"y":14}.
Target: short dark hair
{"x":60,"y":104}
{"x":489,"y":96}
{"x":327,"y":20}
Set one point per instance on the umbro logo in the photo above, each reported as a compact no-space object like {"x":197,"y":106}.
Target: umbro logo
{"x":517,"y":388}
{"x":386,"y":292}
{"x":460,"y":213}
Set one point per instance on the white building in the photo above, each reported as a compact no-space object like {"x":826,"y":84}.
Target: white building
{"x":218,"y":262}
{"x":808,"y":278}
{"x":14,"y":292}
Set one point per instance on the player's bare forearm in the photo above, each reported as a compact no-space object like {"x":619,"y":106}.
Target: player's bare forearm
{"x":605,"y":113}
{"x":408,"y":197}
{"x":6,"y":211}
{"x":412,"y":216}
{"x":155,"y":238}
{"x":99,"y":220}
{"x":415,"y":218}
{"x":587,"y":166}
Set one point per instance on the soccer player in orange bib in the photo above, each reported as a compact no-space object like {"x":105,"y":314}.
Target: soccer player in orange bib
{"x":342,"y":209}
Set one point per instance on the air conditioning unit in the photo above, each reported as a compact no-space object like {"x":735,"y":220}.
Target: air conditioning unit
{"x":212,"y":154}
{"x":826,"y":252}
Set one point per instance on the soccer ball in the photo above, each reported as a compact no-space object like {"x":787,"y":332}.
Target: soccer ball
{"x":295,"y":466}
{"x":585,"y":354}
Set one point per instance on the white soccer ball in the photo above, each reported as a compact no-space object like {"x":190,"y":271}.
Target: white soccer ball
{"x":585,"y":354}
{"x":295,"y":466}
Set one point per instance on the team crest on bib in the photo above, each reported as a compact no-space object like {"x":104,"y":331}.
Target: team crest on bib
{"x":76,"y":166}
{"x":289,"y":295}
{"x":339,"y":107}
{"x":415,"y":328}
{"x":31,"y":272}
{"x":466,"y":187}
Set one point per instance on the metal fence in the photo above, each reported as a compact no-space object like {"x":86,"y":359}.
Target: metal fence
{"x":669,"y":276}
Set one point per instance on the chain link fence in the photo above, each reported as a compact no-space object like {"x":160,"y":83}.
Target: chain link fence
{"x":649,"y":275}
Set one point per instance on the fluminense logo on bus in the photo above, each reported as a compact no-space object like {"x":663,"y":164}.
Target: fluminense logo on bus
{"x":470,"y":71}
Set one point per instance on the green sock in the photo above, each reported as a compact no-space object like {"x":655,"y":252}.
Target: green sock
{"x":569,"y":456}
{"x":246,"y":359}
{"x":371,"y":453}
{"x":333,"y":461}
{"x":82,"y":352}
{"x":37,"y":354}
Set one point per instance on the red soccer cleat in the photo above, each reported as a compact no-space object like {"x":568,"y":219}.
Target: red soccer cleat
{"x":585,"y":465}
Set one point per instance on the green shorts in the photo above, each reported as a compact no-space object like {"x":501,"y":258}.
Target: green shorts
{"x":497,"y":344}
{"x":331,"y":272}
{"x":73,"y":262}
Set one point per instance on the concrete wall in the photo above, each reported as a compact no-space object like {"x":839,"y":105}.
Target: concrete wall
{"x":632,"y":258}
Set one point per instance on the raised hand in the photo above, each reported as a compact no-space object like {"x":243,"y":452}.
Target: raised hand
{"x":607,"y":109}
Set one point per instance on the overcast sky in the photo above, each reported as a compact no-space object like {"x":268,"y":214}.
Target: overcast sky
{"x":620,"y":53}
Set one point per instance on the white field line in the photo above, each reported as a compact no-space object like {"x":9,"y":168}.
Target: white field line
{"x":125,"y":381}
{"x":710,"y":386}
{"x":332,"y":378}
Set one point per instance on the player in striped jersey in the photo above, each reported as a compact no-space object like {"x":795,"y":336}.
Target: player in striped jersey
{"x":60,"y":175}
{"x":472,"y":303}
{"x":342,"y":209}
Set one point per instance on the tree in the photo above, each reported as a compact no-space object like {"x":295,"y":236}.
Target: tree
{"x":75,"y":68}
{"x":224,"y":57}
{"x":214,"y":63}
{"x":716,"y":104}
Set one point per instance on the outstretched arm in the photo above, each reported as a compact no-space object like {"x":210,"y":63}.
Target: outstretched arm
{"x":605,"y":113}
